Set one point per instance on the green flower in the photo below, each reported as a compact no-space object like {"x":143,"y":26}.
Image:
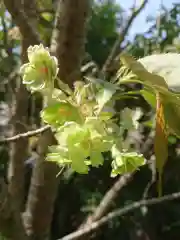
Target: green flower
{"x":41,"y":70}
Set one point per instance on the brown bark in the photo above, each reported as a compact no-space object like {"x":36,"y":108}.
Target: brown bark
{"x":21,"y":18}
{"x":67,"y":45}
{"x":69,"y":37}
{"x":19,"y":148}
{"x":39,"y":210}
{"x":11,"y":225}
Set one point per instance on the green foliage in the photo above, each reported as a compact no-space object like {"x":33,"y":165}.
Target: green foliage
{"x":85,"y":128}
{"x":100,"y":39}
{"x":61,"y":112}
{"x":83,"y":121}
{"x":126,"y":162}
{"x":106,"y":16}
{"x":159,"y":74}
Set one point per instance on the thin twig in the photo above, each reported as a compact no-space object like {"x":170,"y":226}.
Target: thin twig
{"x":122,"y":36}
{"x":108,"y":199}
{"x":118,"y":213}
{"x":25,"y":135}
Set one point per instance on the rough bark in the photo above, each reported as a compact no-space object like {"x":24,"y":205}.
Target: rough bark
{"x":19,"y":148}
{"x":43,"y":189}
{"x":11,"y":225}
{"x":22,"y":20}
{"x":67,"y":45}
{"x":69,"y":37}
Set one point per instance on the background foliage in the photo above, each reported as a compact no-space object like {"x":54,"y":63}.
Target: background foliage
{"x":79,"y":195}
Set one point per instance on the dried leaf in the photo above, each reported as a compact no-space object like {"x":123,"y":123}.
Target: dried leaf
{"x":161,"y":141}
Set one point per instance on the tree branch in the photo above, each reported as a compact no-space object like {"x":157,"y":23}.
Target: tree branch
{"x":118,"y":213}
{"x":21,"y":14}
{"x":11,"y":225}
{"x":108,"y":199}
{"x":122,"y":36}
{"x":67,"y":45}
{"x":67,"y":41}
{"x":25,"y":135}
{"x":22,"y":21}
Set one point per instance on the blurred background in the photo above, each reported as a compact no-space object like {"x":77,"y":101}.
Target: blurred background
{"x":155,"y":29}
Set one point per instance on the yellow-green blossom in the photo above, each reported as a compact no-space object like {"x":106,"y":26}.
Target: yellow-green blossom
{"x":41,"y":70}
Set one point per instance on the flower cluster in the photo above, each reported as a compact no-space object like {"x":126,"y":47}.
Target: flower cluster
{"x":41,"y":70}
{"x":83,"y":119}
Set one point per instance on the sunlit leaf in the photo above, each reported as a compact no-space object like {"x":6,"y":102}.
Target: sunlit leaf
{"x":59,"y":113}
{"x":47,"y":16}
{"x":96,"y":158}
{"x":143,"y":73}
{"x":172,"y":116}
{"x":104,"y":95}
{"x":165,"y":65}
{"x":127,"y":119}
{"x":172,"y":139}
{"x":78,"y":160}
{"x":58,"y":95}
{"x":149,"y":96}
{"x":64,"y":87}
{"x":126,"y":162}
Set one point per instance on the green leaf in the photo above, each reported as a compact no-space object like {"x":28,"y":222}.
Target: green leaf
{"x":172,"y":140}
{"x":147,"y":77}
{"x":95,"y":125}
{"x":47,"y":16}
{"x":78,"y":160}
{"x":80,"y":139}
{"x":149,"y":96}
{"x":166,"y":65}
{"x":102,"y":144}
{"x":59,"y":113}
{"x":102,"y":83}
{"x":126,"y":163}
{"x":58,"y":154}
{"x":172,"y":116}
{"x":58,"y":95}
{"x":63,"y":151}
{"x":81,"y":91}
{"x":104,"y":96}
{"x":68,"y":129}
{"x":127,"y":120}
{"x":96,"y":158}
{"x":64,"y":87}
{"x":57,"y":158}
{"x":105,"y":90}
{"x":161,"y":72}
{"x":105,"y":115}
